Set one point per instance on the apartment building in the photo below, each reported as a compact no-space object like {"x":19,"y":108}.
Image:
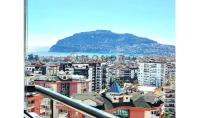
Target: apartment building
{"x":52,"y":69}
{"x":170,"y":72}
{"x":72,"y":84}
{"x":151,"y":74}
{"x":35,"y":69}
{"x":95,"y":72}
{"x":169,"y":100}
{"x":127,"y":73}
{"x":34,"y":102}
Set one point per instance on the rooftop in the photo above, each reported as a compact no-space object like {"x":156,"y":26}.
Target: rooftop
{"x":57,"y":78}
{"x":146,"y":100}
{"x":92,"y":96}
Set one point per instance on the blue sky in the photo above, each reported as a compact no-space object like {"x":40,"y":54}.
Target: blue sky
{"x":51,"y":20}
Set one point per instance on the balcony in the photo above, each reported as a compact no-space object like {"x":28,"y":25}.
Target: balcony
{"x":170,"y":101}
{"x":169,"y":91}
{"x":169,"y":97}
{"x":169,"y":105}
{"x":86,"y":110}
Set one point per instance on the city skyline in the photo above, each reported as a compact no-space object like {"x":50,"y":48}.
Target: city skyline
{"x":49,"y":21}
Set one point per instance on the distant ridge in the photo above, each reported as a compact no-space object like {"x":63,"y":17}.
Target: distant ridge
{"x":105,"y":41}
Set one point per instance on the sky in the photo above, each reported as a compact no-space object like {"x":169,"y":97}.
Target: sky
{"x":51,"y":20}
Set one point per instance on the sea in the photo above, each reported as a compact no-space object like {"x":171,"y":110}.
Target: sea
{"x":44,"y":51}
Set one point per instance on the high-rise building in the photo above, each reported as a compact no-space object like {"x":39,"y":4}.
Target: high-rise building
{"x":95,"y":72}
{"x":104,"y":75}
{"x":151,"y":74}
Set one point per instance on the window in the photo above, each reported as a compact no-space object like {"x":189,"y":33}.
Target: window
{"x":122,"y":113}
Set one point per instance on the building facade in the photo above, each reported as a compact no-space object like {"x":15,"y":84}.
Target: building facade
{"x":169,"y":100}
{"x":95,"y":72}
{"x":170,"y":72}
{"x":151,"y":74}
{"x":73,"y":84}
{"x":34,"y":103}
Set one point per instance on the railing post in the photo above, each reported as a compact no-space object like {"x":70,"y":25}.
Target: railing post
{"x":51,"y":107}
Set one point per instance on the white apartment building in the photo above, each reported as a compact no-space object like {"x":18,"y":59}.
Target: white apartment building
{"x":95,"y":75}
{"x":151,"y":74}
{"x":91,"y":78}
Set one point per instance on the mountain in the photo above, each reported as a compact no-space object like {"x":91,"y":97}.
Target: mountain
{"x":105,"y":41}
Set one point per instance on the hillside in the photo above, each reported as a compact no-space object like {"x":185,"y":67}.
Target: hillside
{"x":105,"y":41}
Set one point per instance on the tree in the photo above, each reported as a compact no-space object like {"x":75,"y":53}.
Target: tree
{"x":134,"y":58}
{"x":135,"y":82}
{"x":111,"y":81}
{"x":36,"y":58}
{"x":165,"y":115}
{"x":113,"y":58}
{"x":168,"y":82}
{"x":30,"y":57}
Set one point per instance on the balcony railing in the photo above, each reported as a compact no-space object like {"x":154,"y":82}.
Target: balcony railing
{"x":80,"y":107}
